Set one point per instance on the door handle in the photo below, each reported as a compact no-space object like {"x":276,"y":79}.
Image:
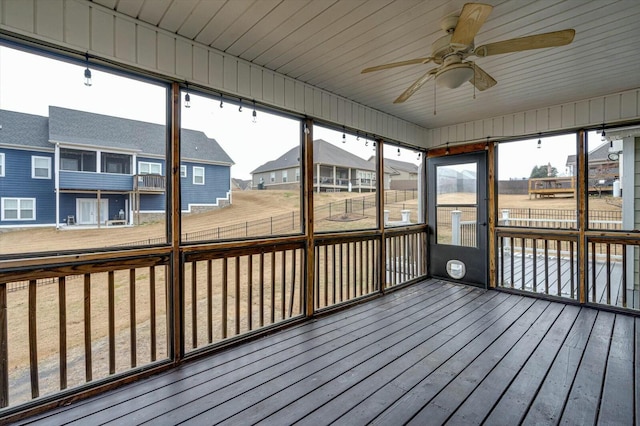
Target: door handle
{"x":484,"y":224}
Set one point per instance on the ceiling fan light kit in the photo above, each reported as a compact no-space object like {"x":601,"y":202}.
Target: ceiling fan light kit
{"x":450,"y":51}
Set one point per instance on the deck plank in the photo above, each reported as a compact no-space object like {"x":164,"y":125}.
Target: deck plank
{"x":344,"y":376}
{"x":481,"y":400}
{"x":616,"y":405}
{"x":582,"y":405}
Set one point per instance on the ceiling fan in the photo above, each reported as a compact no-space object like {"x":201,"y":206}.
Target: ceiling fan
{"x":450,"y":52}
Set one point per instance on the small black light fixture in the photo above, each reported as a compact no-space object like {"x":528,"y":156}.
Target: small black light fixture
{"x":446,"y":151}
{"x":603,"y":136}
{"x":539,"y":141}
{"x":419,"y":156}
{"x":221,"y":101}
{"x":87,"y":72}
{"x":187,"y":97}
{"x":240,"y":107}
{"x":398,"y":152}
{"x":344,"y":135}
{"x":254,"y":114}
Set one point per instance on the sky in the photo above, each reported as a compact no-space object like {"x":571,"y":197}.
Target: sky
{"x":26,"y":87}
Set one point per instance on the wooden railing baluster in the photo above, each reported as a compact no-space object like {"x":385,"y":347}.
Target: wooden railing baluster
{"x":223,"y":305}
{"x":283,"y":284}
{"x":33,"y":339}
{"x":237,"y":295}
{"x":250,"y":291}
{"x":62,"y":325}
{"x":273,"y":287}
{"x":210,"y":300}
{"x":4,"y":348}
{"x":261,"y":289}
{"x":194,"y":304}
{"x":112,"y":321}
{"x":88,"y":366}
{"x":152,"y":312}
{"x":132,"y":313}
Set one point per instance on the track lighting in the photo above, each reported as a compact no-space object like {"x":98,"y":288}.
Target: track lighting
{"x":87,"y":72}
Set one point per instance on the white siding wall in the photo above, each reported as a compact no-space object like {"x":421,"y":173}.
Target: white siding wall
{"x":84,"y":26}
{"x":617,"y":107}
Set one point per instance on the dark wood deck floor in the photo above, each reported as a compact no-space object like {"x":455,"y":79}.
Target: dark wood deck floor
{"x":430,"y":354}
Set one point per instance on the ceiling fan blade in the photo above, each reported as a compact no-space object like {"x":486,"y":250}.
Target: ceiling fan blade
{"x":481,"y":79}
{"x":397,"y":64}
{"x":539,"y":41}
{"x":414,"y":87}
{"x":471,"y":19}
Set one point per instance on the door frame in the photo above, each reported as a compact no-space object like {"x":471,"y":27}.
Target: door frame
{"x":475,"y":259}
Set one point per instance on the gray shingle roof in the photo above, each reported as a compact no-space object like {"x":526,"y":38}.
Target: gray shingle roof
{"x":85,"y":128}
{"x":401,"y":166}
{"x":323,"y":153}
{"x":599,"y":154}
{"x":24,"y":129}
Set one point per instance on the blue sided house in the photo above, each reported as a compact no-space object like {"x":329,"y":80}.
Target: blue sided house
{"x":79,"y":168}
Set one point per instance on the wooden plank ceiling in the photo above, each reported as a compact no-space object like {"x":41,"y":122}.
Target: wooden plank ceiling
{"x":327,"y":43}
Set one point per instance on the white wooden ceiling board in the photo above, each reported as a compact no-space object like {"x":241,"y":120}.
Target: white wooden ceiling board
{"x":264,"y":27}
{"x":125,"y":34}
{"x":77,"y":31}
{"x":244,"y":22}
{"x":200,"y":64}
{"x":334,"y":34}
{"x":267,"y":46}
{"x":153,"y":11}
{"x":256,"y":82}
{"x":198,"y":18}
{"x":353,"y":40}
{"x":184,"y":58}
{"x":223,"y":18}
{"x":628,"y":105}
{"x":130,"y":7}
{"x":18,"y":14}
{"x":50,"y":19}
{"x":111,"y":4}
{"x":309,"y":29}
{"x":166,"y":53}
{"x":146,"y":46}
{"x":102,"y":32}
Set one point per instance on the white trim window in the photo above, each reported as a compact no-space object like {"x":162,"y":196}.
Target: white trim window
{"x":18,"y":208}
{"x":285,"y":176}
{"x":183,"y":171}
{"x":272,"y":177}
{"x":1,"y":164}
{"x":40,"y":167}
{"x":198,"y":175}
{"x":147,"y":168}
{"x":297,"y":174}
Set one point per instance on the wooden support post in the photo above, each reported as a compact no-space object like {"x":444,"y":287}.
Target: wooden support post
{"x":307,"y":197}
{"x":176,"y":283}
{"x":382,"y":253}
{"x":492,"y":206}
{"x":582,"y":215}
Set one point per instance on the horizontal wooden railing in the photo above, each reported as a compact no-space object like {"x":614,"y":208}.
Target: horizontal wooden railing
{"x":109,"y":319}
{"x":538,"y":262}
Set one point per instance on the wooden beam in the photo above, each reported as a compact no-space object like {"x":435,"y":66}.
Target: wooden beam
{"x":307,"y":199}
{"x":175,"y":285}
{"x":582,"y":215}
{"x":492,"y":206}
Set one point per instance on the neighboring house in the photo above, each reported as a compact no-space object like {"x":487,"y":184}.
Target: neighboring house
{"x":241,"y":184}
{"x":601,"y":168}
{"x":400,"y":175}
{"x":335,"y":170}
{"x":75,"y":167}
